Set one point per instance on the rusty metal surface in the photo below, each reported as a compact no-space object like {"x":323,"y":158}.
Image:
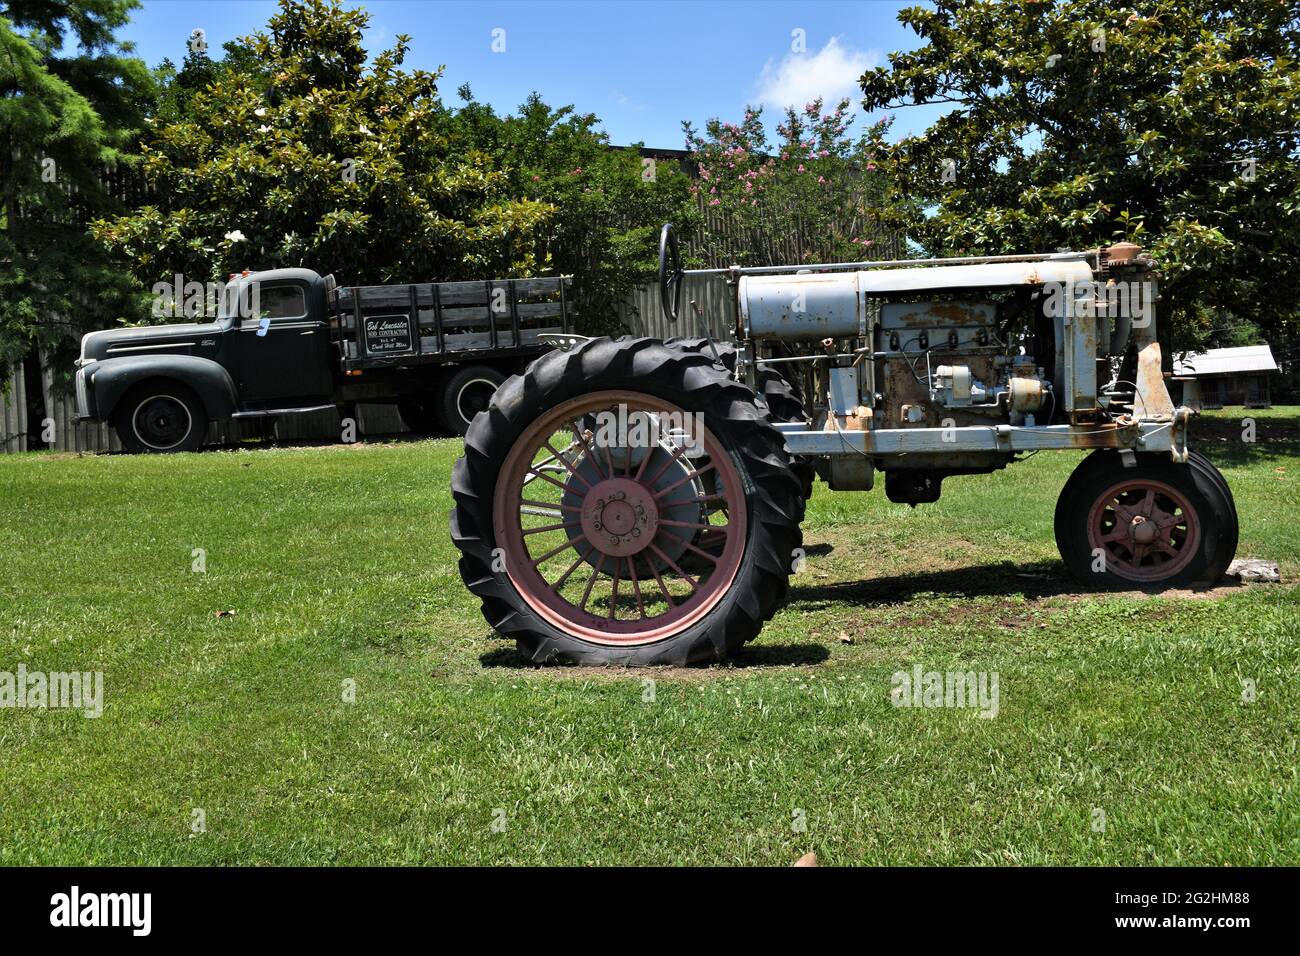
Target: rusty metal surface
{"x":1152,"y":401}
{"x":1006,"y":439}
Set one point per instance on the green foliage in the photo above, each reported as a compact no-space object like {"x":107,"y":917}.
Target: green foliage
{"x":820,"y":186}
{"x":63,"y":119}
{"x":608,"y":205}
{"x":306,"y":156}
{"x":1081,"y":122}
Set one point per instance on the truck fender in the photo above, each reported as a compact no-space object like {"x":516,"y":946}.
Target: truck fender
{"x":114,"y":377}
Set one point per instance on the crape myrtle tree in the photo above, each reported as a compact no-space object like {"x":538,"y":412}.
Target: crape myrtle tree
{"x":608,"y":203}
{"x":816,"y":194}
{"x":72,"y":99}
{"x":308,"y":155}
{"x":1173,"y":123}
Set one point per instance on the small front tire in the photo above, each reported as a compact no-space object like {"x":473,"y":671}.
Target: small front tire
{"x":1151,"y":526}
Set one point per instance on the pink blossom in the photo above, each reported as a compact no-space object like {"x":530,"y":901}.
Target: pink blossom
{"x":714,"y":202}
{"x":801,"y":167}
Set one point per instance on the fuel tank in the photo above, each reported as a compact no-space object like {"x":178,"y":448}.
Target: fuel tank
{"x":804,"y":306}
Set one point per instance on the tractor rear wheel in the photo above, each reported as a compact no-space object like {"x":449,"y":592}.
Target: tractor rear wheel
{"x":1155,"y":525}
{"x":784,"y":403}
{"x":586,"y":486}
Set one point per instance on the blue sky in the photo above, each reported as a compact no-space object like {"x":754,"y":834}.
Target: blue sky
{"x":641,"y":67}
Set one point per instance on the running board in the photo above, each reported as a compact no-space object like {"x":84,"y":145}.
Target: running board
{"x":266,"y":412}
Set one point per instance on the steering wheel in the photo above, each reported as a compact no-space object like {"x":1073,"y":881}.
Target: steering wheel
{"x":670,"y":273}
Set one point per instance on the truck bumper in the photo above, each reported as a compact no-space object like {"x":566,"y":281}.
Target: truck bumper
{"x":85,"y":393}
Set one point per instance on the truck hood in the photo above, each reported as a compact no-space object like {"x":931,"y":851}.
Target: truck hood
{"x":147,"y":340}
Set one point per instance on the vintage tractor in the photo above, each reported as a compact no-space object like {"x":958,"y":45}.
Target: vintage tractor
{"x":638,"y":501}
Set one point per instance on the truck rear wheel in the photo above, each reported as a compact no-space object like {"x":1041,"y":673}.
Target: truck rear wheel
{"x":466,"y":394}
{"x":574,"y":534}
{"x":159,"y":418}
{"x":1155,"y":525}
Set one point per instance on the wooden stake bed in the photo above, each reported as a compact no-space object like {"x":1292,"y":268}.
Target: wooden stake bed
{"x":444,"y":322}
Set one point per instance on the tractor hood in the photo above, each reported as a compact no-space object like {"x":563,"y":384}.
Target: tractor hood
{"x":180,"y":339}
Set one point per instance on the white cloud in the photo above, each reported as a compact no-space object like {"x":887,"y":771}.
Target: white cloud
{"x":625,"y":101}
{"x":799,"y":78}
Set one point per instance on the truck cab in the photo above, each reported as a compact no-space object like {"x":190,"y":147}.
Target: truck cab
{"x":266,"y":353}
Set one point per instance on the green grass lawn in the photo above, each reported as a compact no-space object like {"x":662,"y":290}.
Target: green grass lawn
{"x":338,"y":565}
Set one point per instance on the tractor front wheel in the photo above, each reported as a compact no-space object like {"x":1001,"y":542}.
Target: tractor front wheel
{"x":625,"y":503}
{"x":1153,"y":525}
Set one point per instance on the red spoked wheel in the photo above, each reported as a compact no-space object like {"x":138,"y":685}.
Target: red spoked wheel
{"x":594,"y":525}
{"x":1147,"y":529}
{"x":625,"y":503}
{"x":1153,"y":524}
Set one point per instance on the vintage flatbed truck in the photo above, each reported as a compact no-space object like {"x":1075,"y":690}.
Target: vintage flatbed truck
{"x":435,"y":350}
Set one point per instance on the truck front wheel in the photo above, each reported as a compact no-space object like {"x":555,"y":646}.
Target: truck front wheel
{"x":466,"y":394}
{"x":159,"y":418}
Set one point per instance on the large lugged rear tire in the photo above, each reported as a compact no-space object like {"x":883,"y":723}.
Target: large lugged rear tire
{"x":614,"y":511}
{"x":1155,"y":525}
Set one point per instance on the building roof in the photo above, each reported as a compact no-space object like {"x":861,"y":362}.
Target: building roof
{"x":1248,"y":358}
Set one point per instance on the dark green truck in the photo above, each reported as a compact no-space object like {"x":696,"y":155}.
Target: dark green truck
{"x":435,"y":350}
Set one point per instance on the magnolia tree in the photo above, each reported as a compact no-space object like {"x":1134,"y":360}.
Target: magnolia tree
{"x":316,"y":159}
{"x":1081,"y":122}
{"x":815,"y":196}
